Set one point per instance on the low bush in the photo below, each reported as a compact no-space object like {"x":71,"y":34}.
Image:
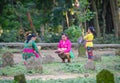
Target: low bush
{"x":107,"y":39}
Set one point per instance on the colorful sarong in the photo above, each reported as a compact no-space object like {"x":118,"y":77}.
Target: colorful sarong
{"x":90,"y":52}
{"x":27,"y":50}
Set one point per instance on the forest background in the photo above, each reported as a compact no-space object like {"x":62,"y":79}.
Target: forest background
{"x":49,"y":18}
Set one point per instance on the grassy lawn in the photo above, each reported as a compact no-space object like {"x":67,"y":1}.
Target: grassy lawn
{"x":58,"y":68}
{"x":76,"y":80}
{"x":77,"y":67}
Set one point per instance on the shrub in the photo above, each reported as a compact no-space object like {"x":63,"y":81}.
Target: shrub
{"x":9,"y":36}
{"x":107,"y":39}
{"x":74,"y":32}
{"x":105,"y":76}
{"x":51,"y":37}
{"x":74,"y":68}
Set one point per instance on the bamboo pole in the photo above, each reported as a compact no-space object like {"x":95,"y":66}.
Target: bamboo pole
{"x":55,"y":45}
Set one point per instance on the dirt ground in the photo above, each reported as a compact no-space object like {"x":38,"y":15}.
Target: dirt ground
{"x":18,"y":56}
{"x":45,"y":77}
{"x":18,"y":59}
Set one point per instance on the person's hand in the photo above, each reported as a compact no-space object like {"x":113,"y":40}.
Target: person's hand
{"x":87,"y":33}
{"x":39,"y":47}
{"x":57,"y":51}
{"x":62,"y":52}
{"x":40,"y":54}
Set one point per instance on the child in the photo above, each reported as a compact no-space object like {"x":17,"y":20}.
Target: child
{"x":89,"y":42}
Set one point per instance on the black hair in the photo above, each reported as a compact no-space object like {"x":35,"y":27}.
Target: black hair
{"x":65,"y":34}
{"x":29,"y":37}
{"x":92,"y":30}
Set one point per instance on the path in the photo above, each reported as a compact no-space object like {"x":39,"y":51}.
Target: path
{"x":48,"y":77}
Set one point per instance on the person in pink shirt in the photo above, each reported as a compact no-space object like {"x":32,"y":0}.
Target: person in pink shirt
{"x":64,"y":48}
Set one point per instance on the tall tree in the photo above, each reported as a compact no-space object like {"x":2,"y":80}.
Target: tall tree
{"x":115,"y":15}
{"x":96,"y":21}
{"x":103,"y":16}
{"x":31,"y":23}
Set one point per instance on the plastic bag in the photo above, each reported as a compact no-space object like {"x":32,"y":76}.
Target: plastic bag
{"x":72,"y":54}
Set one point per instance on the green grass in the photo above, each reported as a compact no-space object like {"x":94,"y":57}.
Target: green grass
{"x":5,"y":49}
{"x":75,"y":80}
{"x":108,"y":62}
{"x":57,"y":68}
{"x":11,"y":71}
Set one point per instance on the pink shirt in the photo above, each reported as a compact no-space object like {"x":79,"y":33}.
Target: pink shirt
{"x":66,"y":45}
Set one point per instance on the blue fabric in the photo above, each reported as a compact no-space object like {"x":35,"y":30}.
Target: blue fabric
{"x":90,"y":52}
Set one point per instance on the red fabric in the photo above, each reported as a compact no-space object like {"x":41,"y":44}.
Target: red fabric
{"x":31,"y":51}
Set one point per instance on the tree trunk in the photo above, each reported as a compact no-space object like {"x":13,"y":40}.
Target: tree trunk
{"x":115,"y":15}
{"x":67,"y":19}
{"x":103,"y":17}
{"x":42,"y":30}
{"x":31,"y":23}
{"x":21,"y":25}
{"x":81,"y":50}
{"x":96,"y":22}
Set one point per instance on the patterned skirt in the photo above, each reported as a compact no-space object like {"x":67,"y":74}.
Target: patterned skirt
{"x":90,"y":52}
{"x":27,"y":53}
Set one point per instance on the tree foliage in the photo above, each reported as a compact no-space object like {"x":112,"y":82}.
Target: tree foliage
{"x":48,"y":18}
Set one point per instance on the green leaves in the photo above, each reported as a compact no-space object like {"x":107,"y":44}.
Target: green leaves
{"x":83,"y":12}
{"x":51,"y":37}
{"x":9,"y":35}
{"x":43,"y":13}
{"x":74,"y":68}
{"x":74,"y":32}
{"x":17,"y":69}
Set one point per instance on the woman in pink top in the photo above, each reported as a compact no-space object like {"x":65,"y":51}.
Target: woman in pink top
{"x":64,"y":48}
